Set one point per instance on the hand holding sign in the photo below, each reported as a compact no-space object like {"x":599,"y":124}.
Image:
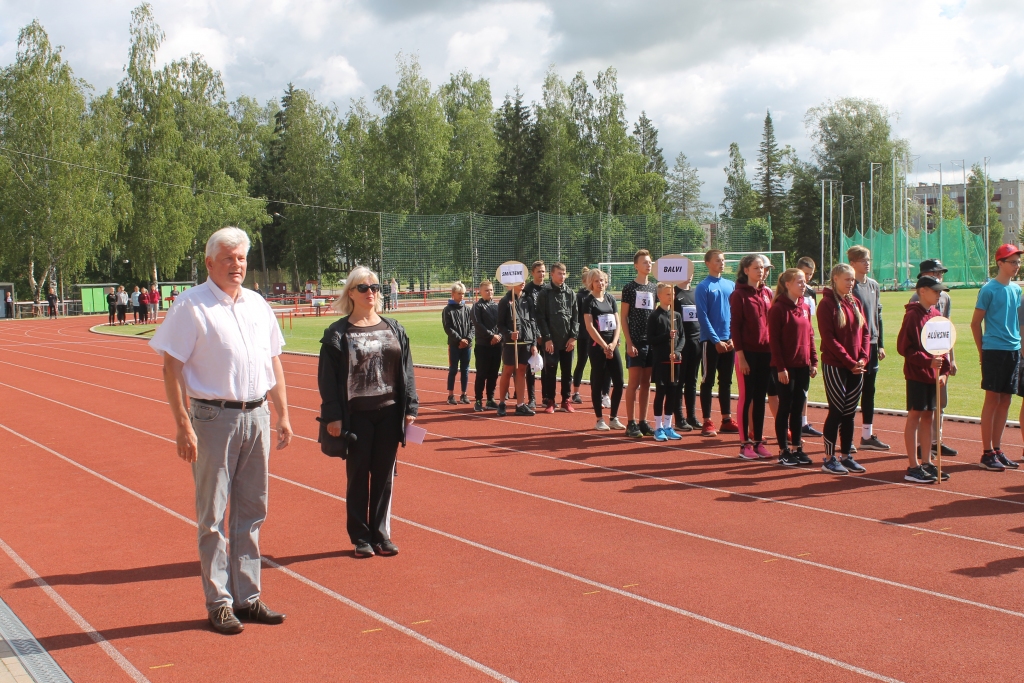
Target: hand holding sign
{"x":938,"y":337}
{"x":511,"y":274}
{"x":674,"y":269}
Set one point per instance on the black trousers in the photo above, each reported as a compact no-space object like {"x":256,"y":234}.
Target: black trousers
{"x":121,"y":312}
{"x":549,"y":375}
{"x":370,"y":465}
{"x":666,"y":398}
{"x":720,"y":364}
{"x":581,"y":360}
{"x":51,"y":310}
{"x":753,"y":390}
{"x":792,"y":399}
{"x":488,"y":365}
{"x":111,"y":313}
{"x":531,"y":383}
{"x":690,"y":368}
{"x":602,"y":371}
{"x":842,"y":389}
{"x":867,"y":396}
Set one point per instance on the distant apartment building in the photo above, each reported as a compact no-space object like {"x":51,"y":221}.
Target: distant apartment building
{"x":1006,"y":197}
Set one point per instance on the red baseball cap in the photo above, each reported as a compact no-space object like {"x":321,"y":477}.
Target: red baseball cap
{"x":1006,"y":251}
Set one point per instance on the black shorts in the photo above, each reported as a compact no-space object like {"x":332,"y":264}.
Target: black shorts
{"x":644,"y":357}
{"x":508,"y":355}
{"x":1000,"y":371}
{"x":920,"y":396}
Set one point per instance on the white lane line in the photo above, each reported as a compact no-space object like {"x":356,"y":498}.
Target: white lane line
{"x":623,"y":593}
{"x":295,"y":575}
{"x":655,"y":525}
{"x":73,"y":614}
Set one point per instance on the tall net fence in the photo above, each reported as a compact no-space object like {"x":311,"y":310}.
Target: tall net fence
{"x":895,"y":257}
{"x":429,"y":252}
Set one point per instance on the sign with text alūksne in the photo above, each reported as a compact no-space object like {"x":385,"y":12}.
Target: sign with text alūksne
{"x":511,"y":273}
{"x":673,"y":268}
{"x":938,"y":336}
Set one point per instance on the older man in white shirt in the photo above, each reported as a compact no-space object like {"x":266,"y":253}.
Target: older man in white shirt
{"x":221,"y":348}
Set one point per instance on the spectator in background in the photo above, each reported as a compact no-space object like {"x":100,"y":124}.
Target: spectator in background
{"x":458,"y":326}
{"x":111,"y":306}
{"x":154,"y":303}
{"x":9,"y":300}
{"x":256,"y":288}
{"x":174,"y":293}
{"x":143,"y":307}
{"x":394,"y":293}
{"x":51,"y":304}
{"x":135,"y":303}
{"x":122,"y":305}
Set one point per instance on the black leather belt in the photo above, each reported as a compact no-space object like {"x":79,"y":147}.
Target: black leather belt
{"x":233,"y":405}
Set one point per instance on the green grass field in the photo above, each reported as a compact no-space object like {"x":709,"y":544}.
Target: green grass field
{"x":429,"y":347}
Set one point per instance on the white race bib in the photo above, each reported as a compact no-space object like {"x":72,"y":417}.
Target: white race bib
{"x":689,"y":314}
{"x":606,"y":322}
{"x":645,"y":300}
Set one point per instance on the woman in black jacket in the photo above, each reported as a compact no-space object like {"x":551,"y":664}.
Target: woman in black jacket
{"x":458,"y":327}
{"x":368,"y":398}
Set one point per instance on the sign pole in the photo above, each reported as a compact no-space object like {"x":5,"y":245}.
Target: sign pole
{"x":511,"y":274}
{"x":515,"y":328}
{"x":938,"y":337}
{"x":671,"y":341}
{"x":673,"y":269}
{"x":938,"y":429}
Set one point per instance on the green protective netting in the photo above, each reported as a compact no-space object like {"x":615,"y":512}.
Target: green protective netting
{"x":430,"y":252}
{"x":960,"y":249}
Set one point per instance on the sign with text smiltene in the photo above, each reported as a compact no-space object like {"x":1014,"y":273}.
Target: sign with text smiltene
{"x":673,"y":268}
{"x":938,"y":336}
{"x":511,"y":273}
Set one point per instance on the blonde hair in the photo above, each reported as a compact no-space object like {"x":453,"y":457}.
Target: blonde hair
{"x":457,"y":286}
{"x":590,"y":276}
{"x":844,"y":269}
{"x":664,"y":285}
{"x":785,"y":278}
{"x":360,"y":274}
{"x":485,"y":283}
{"x":857,"y":253}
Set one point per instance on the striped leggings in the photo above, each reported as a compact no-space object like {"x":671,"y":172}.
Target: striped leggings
{"x":842,"y":389}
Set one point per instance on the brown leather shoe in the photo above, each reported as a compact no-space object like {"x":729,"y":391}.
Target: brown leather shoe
{"x":260,"y":613}
{"x":223,"y":620}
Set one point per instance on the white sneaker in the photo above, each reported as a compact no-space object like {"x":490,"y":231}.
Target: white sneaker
{"x":602,"y":426}
{"x":615,"y":424}
{"x":606,"y":401}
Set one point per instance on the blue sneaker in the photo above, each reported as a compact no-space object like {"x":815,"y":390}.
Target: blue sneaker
{"x":671,"y":434}
{"x":833,"y":466}
{"x":659,"y":435}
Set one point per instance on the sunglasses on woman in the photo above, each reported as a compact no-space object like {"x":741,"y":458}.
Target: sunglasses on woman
{"x":364,"y":288}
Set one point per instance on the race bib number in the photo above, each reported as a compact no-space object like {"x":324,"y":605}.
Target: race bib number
{"x":645,"y":301}
{"x":606,"y":322}
{"x":689,"y":314}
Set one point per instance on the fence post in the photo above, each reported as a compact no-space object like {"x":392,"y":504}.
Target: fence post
{"x":539,"y":256}
{"x":380,"y":235}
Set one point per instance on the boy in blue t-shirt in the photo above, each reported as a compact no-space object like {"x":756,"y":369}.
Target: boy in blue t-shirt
{"x":999,"y":351}
{"x":718,"y":353}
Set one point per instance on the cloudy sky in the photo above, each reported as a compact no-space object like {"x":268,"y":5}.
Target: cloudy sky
{"x":704,"y":71}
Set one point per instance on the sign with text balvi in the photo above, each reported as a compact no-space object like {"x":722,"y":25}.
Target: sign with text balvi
{"x":938,"y":336}
{"x":673,"y":268}
{"x":511,"y":273}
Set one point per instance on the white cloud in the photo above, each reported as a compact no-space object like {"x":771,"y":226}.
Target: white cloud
{"x":337,"y":78}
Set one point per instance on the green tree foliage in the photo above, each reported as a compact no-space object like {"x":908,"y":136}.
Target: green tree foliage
{"x":977,"y":204}
{"x":560,"y":139}
{"x":472,"y":158}
{"x":741,"y":199}
{"x":54,"y":215}
{"x":646,"y":136}
{"x":769,"y":180}
{"x":684,"y":185}
{"x":517,"y":180}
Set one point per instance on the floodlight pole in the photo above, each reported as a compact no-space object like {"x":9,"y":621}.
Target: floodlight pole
{"x":821,"y":264}
{"x":987,"y":255}
{"x":871,"y":203}
{"x":895,"y":240}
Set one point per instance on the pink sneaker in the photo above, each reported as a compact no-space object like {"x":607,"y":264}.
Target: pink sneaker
{"x":762,"y":450}
{"x":747,"y":452}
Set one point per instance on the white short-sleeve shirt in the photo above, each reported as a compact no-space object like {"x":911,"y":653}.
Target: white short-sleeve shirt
{"x":227,"y":346}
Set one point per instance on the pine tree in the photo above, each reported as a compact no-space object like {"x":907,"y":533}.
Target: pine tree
{"x":684,"y":192}
{"x":741,"y":199}
{"x":769,"y":179}
{"x":517,"y":178}
{"x":646,"y":136}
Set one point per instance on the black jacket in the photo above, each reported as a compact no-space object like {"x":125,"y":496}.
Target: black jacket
{"x":332,"y":377}
{"x":524,"y":319}
{"x":658,"y":328}
{"x":684,"y":297}
{"x":485,"y":321}
{"x":457,"y":323}
{"x":557,"y":315}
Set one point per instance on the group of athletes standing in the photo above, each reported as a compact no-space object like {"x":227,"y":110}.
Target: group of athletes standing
{"x":744,"y":327}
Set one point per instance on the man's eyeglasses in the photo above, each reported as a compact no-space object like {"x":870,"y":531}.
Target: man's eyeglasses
{"x":364,"y":288}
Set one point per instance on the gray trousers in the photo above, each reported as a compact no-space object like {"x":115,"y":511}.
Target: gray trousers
{"x":232,"y":465}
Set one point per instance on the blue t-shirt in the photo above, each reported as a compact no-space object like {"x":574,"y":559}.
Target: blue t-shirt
{"x":1000,"y":303}
{"x":713,"y":311}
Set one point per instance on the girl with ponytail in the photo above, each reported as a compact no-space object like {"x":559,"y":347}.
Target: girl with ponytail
{"x":845,"y":346}
{"x":749,"y":326}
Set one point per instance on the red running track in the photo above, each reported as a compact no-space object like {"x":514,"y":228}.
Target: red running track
{"x":533,"y":549}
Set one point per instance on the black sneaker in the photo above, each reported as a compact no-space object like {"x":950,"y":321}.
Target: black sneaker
{"x":989,"y":461}
{"x":919,"y":475}
{"x":933,"y":471}
{"x":1005,"y":461}
{"x":808,"y":430}
{"x":478,"y":407}
{"x":363,"y":549}
{"x":501,"y":409}
{"x":464,"y":399}
{"x":802,"y":458}
{"x":788,"y":459}
{"x":532,"y":405}
{"x":683,"y":426}
{"x":645,"y":429}
{"x":695,"y":423}
{"x":852,"y":465}
{"x":873,"y":443}
{"x":633,"y":432}
{"x":525,"y":410}
{"x":576,"y":398}
{"x":451,"y":401}
{"x":260,"y":613}
{"x":947,"y":452}
{"x":491,"y":405}
{"x":223,"y":620}
{"x":386,"y":548}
